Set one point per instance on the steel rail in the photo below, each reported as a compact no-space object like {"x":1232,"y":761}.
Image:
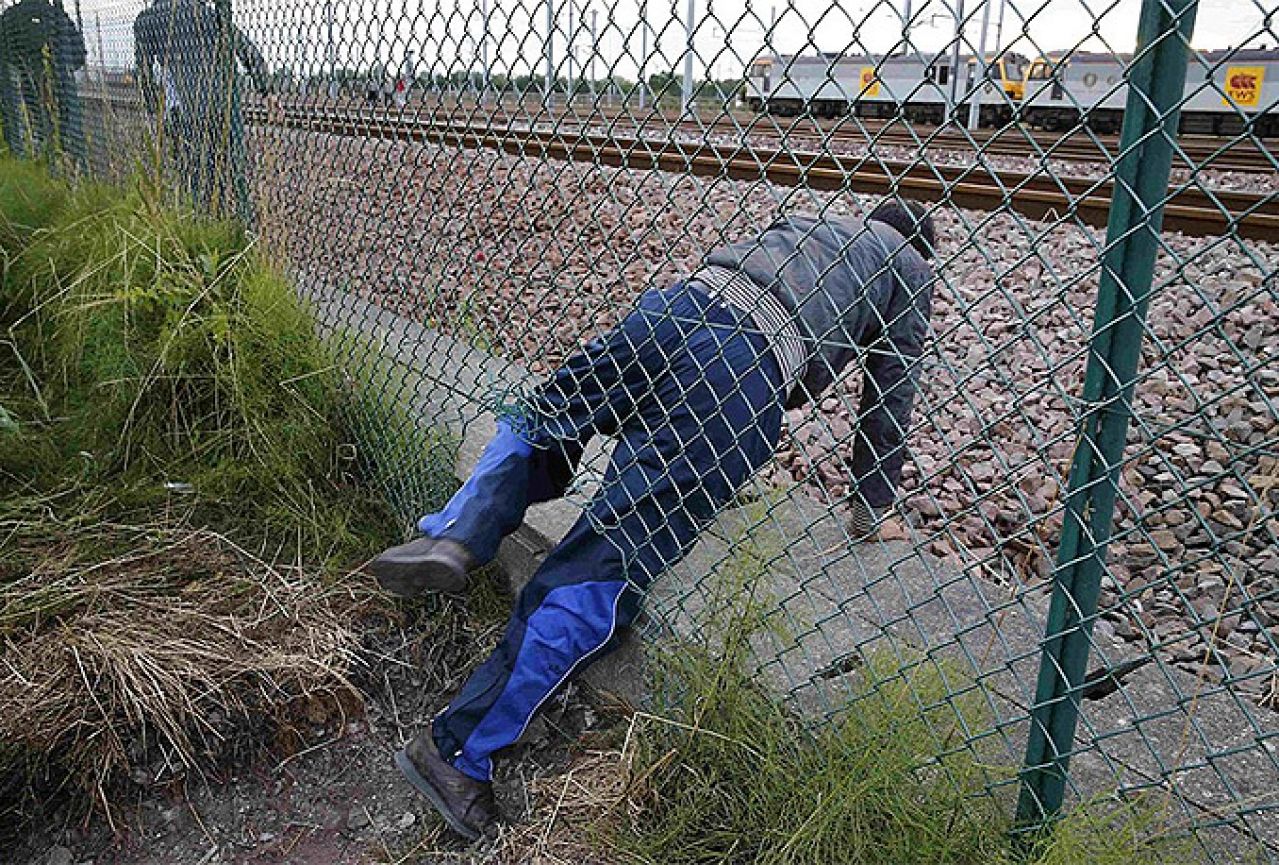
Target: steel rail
{"x":1189,"y":209}
{"x":1240,"y":153}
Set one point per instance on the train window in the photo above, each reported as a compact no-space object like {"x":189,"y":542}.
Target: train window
{"x":943,"y":74}
{"x":1041,"y":70}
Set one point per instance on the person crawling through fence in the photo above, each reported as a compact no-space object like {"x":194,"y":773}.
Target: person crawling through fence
{"x":693,"y":383}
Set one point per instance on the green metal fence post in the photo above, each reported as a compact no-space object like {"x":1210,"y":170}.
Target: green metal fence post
{"x":1157,"y":79}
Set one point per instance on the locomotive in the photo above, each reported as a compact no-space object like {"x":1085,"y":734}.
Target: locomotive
{"x":1227,"y":92}
{"x":923,"y":87}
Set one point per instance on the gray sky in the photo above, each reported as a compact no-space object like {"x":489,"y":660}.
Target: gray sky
{"x":446,"y":34}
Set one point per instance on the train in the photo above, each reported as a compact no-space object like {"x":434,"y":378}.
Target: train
{"x":921,"y":86}
{"x":1227,"y":91}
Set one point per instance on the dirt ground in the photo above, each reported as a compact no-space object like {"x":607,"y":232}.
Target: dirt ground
{"x":336,"y":801}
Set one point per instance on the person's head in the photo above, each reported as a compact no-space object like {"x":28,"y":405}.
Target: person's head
{"x":911,"y":221}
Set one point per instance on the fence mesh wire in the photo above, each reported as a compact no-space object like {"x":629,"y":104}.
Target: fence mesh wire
{"x":478,"y":190}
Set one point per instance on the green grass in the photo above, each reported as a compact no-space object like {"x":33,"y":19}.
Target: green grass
{"x":160,"y":354}
{"x":188,"y":474}
{"x":726,"y":772}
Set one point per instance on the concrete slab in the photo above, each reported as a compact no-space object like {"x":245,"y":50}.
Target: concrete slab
{"x":831,"y":605}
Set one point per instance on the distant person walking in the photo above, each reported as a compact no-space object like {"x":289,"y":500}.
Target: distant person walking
{"x":693,"y":383}
{"x":186,"y":53}
{"x":40,"y":51}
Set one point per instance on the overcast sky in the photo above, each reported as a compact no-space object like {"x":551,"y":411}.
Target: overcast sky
{"x":446,"y":35}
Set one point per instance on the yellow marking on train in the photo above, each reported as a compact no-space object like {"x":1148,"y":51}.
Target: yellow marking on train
{"x":1243,"y":85}
{"x":870,"y":84}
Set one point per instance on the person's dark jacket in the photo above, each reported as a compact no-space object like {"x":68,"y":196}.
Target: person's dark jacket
{"x":30,"y":26}
{"x":185,"y":39}
{"x":40,"y":50}
{"x":853,"y":287}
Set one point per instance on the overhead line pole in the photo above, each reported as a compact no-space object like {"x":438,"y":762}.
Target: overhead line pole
{"x":549,"y":84}
{"x":484,"y":44}
{"x":687,"y":90}
{"x":954,"y":59}
{"x":568,"y":53}
{"x":595,"y":45}
{"x":643,"y":59}
{"x":974,"y":103}
{"x":330,"y":49}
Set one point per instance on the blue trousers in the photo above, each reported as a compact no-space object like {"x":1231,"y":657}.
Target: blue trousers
{"x":694,"y":398}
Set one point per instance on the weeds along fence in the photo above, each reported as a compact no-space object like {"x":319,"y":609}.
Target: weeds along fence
{"x":1085,"y":535}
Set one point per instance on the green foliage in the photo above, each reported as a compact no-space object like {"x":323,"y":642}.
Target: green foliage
{"x":1111,"y":831}
{"x":186,"y":478}
{"x":28,"y":202}
{"x":731,"y":774}
{"x":736,"y":777}
{"x":158,"y":354}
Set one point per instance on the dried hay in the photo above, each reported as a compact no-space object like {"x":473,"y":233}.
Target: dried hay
{"x":153,"y":656}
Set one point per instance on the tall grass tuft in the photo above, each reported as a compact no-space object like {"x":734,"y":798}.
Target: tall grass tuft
{"x":727,"y":772}
{"x":187,"y":478}
{"x":160,"y":353}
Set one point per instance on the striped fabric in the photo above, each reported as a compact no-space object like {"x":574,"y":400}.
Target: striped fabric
{"x":739,"y":291}
{"x":864,"y":519}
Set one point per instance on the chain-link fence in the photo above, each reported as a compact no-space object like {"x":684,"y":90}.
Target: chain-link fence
{"x":1085,"y":522}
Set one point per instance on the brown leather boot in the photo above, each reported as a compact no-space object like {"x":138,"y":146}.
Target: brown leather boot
{"x":423,"y":566}
{"x":465,"y":803}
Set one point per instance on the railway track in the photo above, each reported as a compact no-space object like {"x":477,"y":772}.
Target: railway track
{"x":1077,"y":145}
{"x":1190,"y":210}
{"x":1235,"y":154}
{"x":977,"y":186}
{"x":1238,"y":153}
{"x":1241,"y":154}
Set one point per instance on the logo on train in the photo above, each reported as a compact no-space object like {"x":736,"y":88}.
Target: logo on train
{"x":870,"y":84}
{"x":1243,"y":85}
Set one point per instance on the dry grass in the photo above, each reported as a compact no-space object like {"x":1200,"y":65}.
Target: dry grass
{"x":571,"y":820}
{"x":159,"y":377}
{"x":572,"y":814}
{"x":147,"y":662}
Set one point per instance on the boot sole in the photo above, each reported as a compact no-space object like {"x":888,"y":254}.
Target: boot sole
{"x":415,"y":579}
{"x":427,"y":789}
